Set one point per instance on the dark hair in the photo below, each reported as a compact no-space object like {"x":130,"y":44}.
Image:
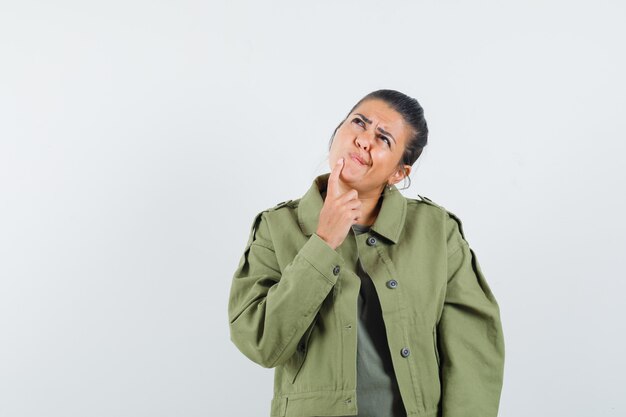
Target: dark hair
{"x":412,"y":113}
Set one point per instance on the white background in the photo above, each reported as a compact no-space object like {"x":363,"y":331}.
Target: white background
{"x":138,"y":139}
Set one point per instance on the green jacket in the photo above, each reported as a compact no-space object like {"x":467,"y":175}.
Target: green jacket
{"x":293,"y":307}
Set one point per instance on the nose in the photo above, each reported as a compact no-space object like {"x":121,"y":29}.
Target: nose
{"x":364,"y":140}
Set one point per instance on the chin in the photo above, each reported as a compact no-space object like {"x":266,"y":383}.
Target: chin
{"x":354,"y":180}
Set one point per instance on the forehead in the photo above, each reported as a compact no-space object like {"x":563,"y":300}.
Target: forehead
{"x":381,"y":114}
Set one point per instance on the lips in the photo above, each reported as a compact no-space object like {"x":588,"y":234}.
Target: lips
{"x":358,"y":158}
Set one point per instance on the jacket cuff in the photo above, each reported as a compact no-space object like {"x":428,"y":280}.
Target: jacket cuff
{"x":323,"y":258}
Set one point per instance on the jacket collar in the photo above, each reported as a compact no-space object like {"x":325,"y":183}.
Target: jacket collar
{"x":388,"y":223}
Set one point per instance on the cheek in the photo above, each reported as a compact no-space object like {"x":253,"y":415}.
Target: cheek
{"x":382,"y":157}
{"x":340,"y":141}
{"x":348,"y":131}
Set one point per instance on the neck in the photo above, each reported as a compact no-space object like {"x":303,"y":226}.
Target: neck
{"x":369,"y":209}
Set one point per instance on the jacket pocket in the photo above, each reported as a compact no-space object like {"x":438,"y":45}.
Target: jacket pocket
{"x":297,"y":361}
{"x":435,"y":345}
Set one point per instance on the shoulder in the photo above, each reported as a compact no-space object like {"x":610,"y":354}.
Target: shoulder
{"x":451,"y":219}
{"x":287,"y":208}
{"x":260,"y":222}
{"x":428,"y":204}
{"x":285,"y":204}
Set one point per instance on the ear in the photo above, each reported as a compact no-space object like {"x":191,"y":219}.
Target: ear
{"x":399,"y":175}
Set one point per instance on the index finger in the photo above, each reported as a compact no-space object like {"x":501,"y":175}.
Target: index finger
{"x":333,"y":180}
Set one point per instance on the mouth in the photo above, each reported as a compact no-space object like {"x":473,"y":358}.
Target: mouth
{"x":357,"y":158}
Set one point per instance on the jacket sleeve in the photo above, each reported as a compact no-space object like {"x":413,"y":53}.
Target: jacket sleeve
{"x":270,"y":309}
{"x":470,"y":335}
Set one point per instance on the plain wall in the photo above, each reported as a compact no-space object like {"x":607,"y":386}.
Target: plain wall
{"x":138,"y":140}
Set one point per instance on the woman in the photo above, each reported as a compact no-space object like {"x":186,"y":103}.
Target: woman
{"x":364,"y":301}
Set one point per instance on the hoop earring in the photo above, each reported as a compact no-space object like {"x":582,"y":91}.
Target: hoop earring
{"x":404,"y":188}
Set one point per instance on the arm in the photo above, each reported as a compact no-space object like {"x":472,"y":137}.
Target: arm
{"x":470,"y":335}
{"x":270,"y":310}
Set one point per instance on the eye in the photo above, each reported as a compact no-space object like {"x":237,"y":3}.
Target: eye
{"x":358,"y":121}
{"x":362,"y":124}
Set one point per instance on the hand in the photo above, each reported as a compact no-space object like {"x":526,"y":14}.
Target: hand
{"x":340,"y":211}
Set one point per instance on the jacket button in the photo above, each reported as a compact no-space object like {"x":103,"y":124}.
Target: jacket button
{"x":336,"y":270}
{"x":392,"y":283}
{"x":405,"y":352}
{"x":371,"y":240}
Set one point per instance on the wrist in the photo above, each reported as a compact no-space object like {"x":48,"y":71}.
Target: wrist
{"x":326,"y":240}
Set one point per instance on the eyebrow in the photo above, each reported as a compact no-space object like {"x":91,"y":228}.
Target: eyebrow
{"x":380,"y":128}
